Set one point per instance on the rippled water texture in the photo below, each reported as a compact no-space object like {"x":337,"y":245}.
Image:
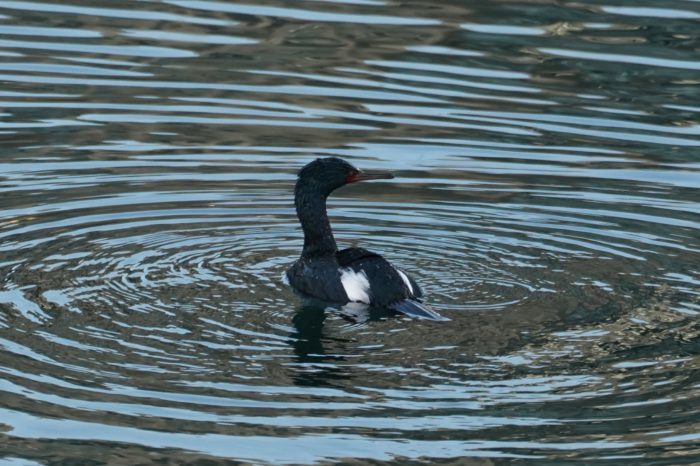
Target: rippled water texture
{"x":547,"y":161}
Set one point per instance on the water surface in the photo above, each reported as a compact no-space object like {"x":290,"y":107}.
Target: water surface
{"x":546,"y":199}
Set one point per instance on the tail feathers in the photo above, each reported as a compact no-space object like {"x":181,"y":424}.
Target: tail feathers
{"x":413,"y":308}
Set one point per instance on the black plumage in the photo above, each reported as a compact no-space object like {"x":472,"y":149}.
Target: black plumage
{"x":349,"y":275}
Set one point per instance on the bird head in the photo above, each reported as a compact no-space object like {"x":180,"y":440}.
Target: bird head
{"x":330,"y":173}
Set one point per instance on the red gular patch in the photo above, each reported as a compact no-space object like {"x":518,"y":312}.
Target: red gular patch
{"x":352,"y":177}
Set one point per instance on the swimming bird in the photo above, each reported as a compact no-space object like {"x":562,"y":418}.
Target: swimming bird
{"x":350,"y":275}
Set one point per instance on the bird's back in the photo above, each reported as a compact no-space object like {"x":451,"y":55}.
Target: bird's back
{"x":374,"y":276}
{"x":359,"y":275}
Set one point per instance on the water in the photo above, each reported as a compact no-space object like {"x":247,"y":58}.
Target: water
{"x":546,"y":198}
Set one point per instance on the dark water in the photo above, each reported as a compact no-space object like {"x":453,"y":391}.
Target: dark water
{"x":547,"y":198}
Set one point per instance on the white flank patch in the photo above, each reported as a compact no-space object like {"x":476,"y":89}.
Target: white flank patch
{"x":285,"y":279}
{"x":406,"y":281}
{"x":356,"y":285}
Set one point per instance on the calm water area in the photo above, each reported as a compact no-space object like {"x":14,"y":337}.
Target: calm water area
{"x":546,"y":198}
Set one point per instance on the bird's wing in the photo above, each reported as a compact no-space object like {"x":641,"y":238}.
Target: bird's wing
{"x":386,"y":284}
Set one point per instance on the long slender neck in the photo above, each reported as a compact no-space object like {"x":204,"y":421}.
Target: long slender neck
{"x":311,"y":209}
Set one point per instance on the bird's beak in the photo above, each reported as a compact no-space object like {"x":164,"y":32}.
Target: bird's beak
{"x":370,"y":175}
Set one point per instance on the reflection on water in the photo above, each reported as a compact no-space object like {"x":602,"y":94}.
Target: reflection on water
{"x":546,"y":199}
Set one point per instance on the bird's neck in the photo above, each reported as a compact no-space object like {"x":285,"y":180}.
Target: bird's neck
{"x":311,"y":210}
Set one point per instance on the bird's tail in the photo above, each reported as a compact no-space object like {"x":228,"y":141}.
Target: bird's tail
{"x":413,"y":308}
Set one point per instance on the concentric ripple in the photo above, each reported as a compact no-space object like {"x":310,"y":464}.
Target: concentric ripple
{"x":545,"y":198}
